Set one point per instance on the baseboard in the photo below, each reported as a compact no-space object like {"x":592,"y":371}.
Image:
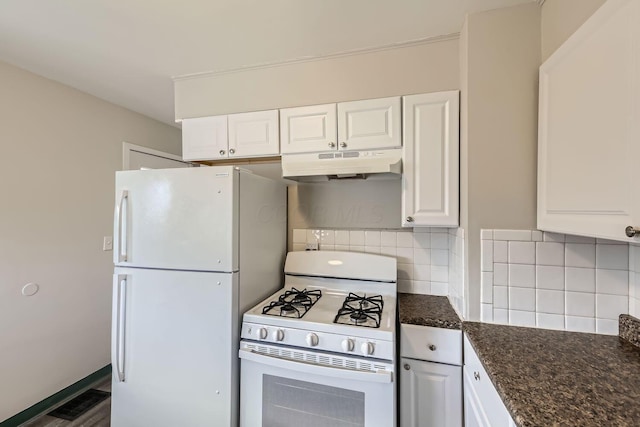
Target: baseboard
{"x":51,"y":402}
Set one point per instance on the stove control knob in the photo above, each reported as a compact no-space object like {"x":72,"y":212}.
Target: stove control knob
{"x":367,"y":348}
{"x":312,"y":339}
{"x":262,"y":333}
{"x":278,"y":335}
{"x":348,"y":344}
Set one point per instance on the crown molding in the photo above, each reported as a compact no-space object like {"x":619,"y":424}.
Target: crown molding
{"x":354,"y":52}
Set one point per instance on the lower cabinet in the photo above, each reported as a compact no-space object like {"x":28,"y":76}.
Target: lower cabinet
{"x":430,"y":390}
{"x":482,"y":404}
{"x":430,"y":394}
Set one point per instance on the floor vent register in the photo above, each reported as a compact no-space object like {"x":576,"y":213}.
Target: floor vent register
{"x":79,"y":404}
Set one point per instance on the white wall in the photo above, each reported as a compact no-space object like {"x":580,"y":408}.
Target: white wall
{"x":561,"y":18}
{"x":61,"y":148}
{"x":501,"y":56}
{"x":417,"y":68}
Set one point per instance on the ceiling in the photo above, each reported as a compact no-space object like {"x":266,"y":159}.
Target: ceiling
{"x":127,"y":52}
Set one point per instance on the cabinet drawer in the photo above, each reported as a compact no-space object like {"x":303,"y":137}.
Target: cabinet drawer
{"x":476,"y":377}
{"x":431,"y":344}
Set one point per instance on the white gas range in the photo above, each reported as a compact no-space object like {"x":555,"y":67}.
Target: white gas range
{"x":321,"y":351}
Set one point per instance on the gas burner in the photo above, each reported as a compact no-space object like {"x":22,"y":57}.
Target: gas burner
{"x":360,"y":311}
{"x":293,"y":303}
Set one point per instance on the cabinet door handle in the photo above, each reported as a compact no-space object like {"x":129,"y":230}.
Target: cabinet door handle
{"x":222,"y":152}
{"x":409,"y":219}
{"x":476,"y":375}
{"x":632,"y":231}
{"x":432,"y":347}
{"x":332,"y":144}
{"x":232,"y":151}
{"x":123,"y":207}
{"x":343,"y":144}
{"x":407,"y":367}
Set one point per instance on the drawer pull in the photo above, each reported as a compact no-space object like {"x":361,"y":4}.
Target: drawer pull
{"x":476,"y":375}
{"x":407,"y":367}
{"x":432,"y":347}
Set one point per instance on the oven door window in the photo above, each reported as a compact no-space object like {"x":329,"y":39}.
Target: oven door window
{"x":290,"y":402}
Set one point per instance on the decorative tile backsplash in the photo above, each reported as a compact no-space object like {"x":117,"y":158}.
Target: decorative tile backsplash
{"x":424,"y":257}
{"x":557,"y":281}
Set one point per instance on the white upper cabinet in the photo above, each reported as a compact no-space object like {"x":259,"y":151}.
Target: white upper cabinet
{"x":358,"y":125}
{"x":430,"y":188}
{"x":233,"y":136}
{"x":308,"y":129}
{"x":254,"y":134}
{"x":369,"y":124}
{"x":589,"y":127}
{"x":204,"y":138}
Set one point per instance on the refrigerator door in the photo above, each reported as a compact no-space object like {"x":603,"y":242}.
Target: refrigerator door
{"x":174,"y":348}
{"x":177,"y":219}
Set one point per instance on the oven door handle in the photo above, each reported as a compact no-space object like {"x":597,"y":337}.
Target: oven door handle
{"x":312,"y":368}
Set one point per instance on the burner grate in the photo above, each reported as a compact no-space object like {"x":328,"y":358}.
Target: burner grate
{"x":360,"y":311}
{"x":293,"y":303}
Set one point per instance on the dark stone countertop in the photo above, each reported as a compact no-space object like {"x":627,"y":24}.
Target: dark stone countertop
{"x":427,"y":310}
{"x":558,"y":378}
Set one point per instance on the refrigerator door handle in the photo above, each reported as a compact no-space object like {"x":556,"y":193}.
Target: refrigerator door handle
{"x":120,"y":326}
{"x":122,"y":229}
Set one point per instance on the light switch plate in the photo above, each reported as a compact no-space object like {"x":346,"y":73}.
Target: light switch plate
{"x":107,"y":243}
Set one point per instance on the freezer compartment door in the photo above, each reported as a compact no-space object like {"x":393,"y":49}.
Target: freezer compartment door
{"x":180,"y":219}
{"x":174,"y":348}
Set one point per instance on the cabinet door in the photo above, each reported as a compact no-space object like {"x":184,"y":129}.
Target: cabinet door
{"x":474,"y":415}
{"x":204,"y":138}
{"x":308,"y":129}
{"x":589,"y":134}
{"x":430,"y":191}
{"x":369,"y":124}
{"x":430,"y":394}
{"x":254,"y":134}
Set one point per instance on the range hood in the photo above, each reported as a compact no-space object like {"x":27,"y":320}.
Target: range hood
{"x":343,"y":165}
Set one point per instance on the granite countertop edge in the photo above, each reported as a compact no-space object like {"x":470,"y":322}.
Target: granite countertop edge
{"x":525,"y":410}
{"x":427,"y":310}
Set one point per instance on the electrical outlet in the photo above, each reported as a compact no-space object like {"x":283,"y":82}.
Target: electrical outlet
{"x":107,"y":243}
{"x":311,"y":246}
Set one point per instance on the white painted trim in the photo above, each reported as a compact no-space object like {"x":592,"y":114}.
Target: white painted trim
{"x":353,"y":52}
{"x":127,"y":148}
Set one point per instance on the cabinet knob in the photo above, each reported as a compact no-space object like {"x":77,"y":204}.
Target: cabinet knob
{"x":631,"y":231}
{"x":407,"y":367}
{"x":432,"y":347}
{"x":332,"y":144}
{"x":476,"y":375}
{"x":343,"y":144}
{"x":232,"y":151}
{"x":409,"y":219}
{"x":222,"y":152}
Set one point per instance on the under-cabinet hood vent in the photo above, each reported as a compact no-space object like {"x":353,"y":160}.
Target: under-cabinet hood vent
{"x":378,"y":164}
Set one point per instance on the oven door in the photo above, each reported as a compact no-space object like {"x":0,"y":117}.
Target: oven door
{"x":278,"y":391}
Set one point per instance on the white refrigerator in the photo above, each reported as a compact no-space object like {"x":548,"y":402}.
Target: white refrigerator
{"x":193,"y":248}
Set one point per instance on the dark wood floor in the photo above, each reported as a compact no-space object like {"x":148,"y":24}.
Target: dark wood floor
{"x":98,"y":416}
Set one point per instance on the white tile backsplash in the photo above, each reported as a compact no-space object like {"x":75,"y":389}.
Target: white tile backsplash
{"x":372,"y":238}
{"x":550,"y":277}
{"x":549,"y":253}
{"x":522,"y":253}
{"x":430,"y":260}
{"x":356,"y":238}
{"x":557,"y":281}
{"x":580,"y":279}
{"x":580,"y":255}
{"x":522,"y":275}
